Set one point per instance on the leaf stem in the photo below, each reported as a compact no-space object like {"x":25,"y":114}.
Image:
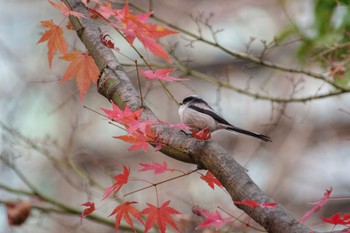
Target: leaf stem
{"x":161,"y":182}
{"x":139,"y":82}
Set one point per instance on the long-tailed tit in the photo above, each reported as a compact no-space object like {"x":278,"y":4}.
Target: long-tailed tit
{"x":196,"y":113}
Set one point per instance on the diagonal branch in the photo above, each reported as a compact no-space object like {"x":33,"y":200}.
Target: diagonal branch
{"x":115,"y":85}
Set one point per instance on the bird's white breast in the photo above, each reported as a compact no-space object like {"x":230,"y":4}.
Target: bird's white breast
{"x":196,"y":119}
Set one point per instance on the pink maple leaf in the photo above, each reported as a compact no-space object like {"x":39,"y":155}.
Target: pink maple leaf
{"x":65,"y":10}
{"x":160,"y":74}
{"x":211,"y":219}
{"x":157,"y":167}
{"x":125,"y":117}
{"x":317,"y":205}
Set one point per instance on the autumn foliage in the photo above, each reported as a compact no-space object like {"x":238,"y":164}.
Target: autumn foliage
{"x":82,"y":66}
{"x":140,"y":132}
{"x":55,"y":40}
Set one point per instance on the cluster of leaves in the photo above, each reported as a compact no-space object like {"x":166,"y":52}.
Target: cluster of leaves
{"x":82,"y":66}
{"x":135,"y":26}
{"x":140,"y":132}
{"x":161,"y":214}
{"x":156,"y":214}
{"x":335,"y":219}
{"x":327,"y":39}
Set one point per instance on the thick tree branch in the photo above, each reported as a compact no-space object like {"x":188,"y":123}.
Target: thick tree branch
{"x":116,"y":86}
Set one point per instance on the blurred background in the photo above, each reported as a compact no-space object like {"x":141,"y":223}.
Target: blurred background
{"x":48,"y":136}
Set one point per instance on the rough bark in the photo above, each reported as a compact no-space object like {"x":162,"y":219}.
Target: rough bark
{"x":115,"y":85}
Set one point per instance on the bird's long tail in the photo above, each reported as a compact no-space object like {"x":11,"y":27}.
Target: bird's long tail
{"x":250,"y":133}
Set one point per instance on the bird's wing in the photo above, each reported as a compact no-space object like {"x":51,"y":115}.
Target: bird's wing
{"x":211,"y":113}
{"x":222,"y":121}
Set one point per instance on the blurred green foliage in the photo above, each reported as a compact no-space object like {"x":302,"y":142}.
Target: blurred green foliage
{"x":327,"y":39}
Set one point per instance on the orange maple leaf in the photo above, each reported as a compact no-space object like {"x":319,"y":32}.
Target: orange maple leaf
{"x":123,"y":211}
{"x":139,"y":139}
{"x":82,"y":67}
{"x":54,"y":36}
{"x":161,"y":215}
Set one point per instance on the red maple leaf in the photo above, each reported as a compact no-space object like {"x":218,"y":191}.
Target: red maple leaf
{"x":211,"y":219}
{"x":120,"y":180}
{"x":65,"y":10}
{"x":317,"y":205}
{"x":54,"y":38}
{"x":108,"y":42}
{"x":155,"y":48}
{"x":254,"y":204}
{"x":135,"y":26}
{"x":125,"y":117}
{"x":82,"y":67}
{"x":160,"y":74}
{"x":131,"y":24}
{"x":211,"y":180}
{"x":140,"y":132}
{"x":123,"y":211}
{"x":90,"y":208}
{"x":157,"y":167}
{"x":202,"y":135}
{"x":338,"y":219}
{"x":161,"y":215}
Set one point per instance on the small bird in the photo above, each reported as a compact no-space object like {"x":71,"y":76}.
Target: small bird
{"x":197,"y":113}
